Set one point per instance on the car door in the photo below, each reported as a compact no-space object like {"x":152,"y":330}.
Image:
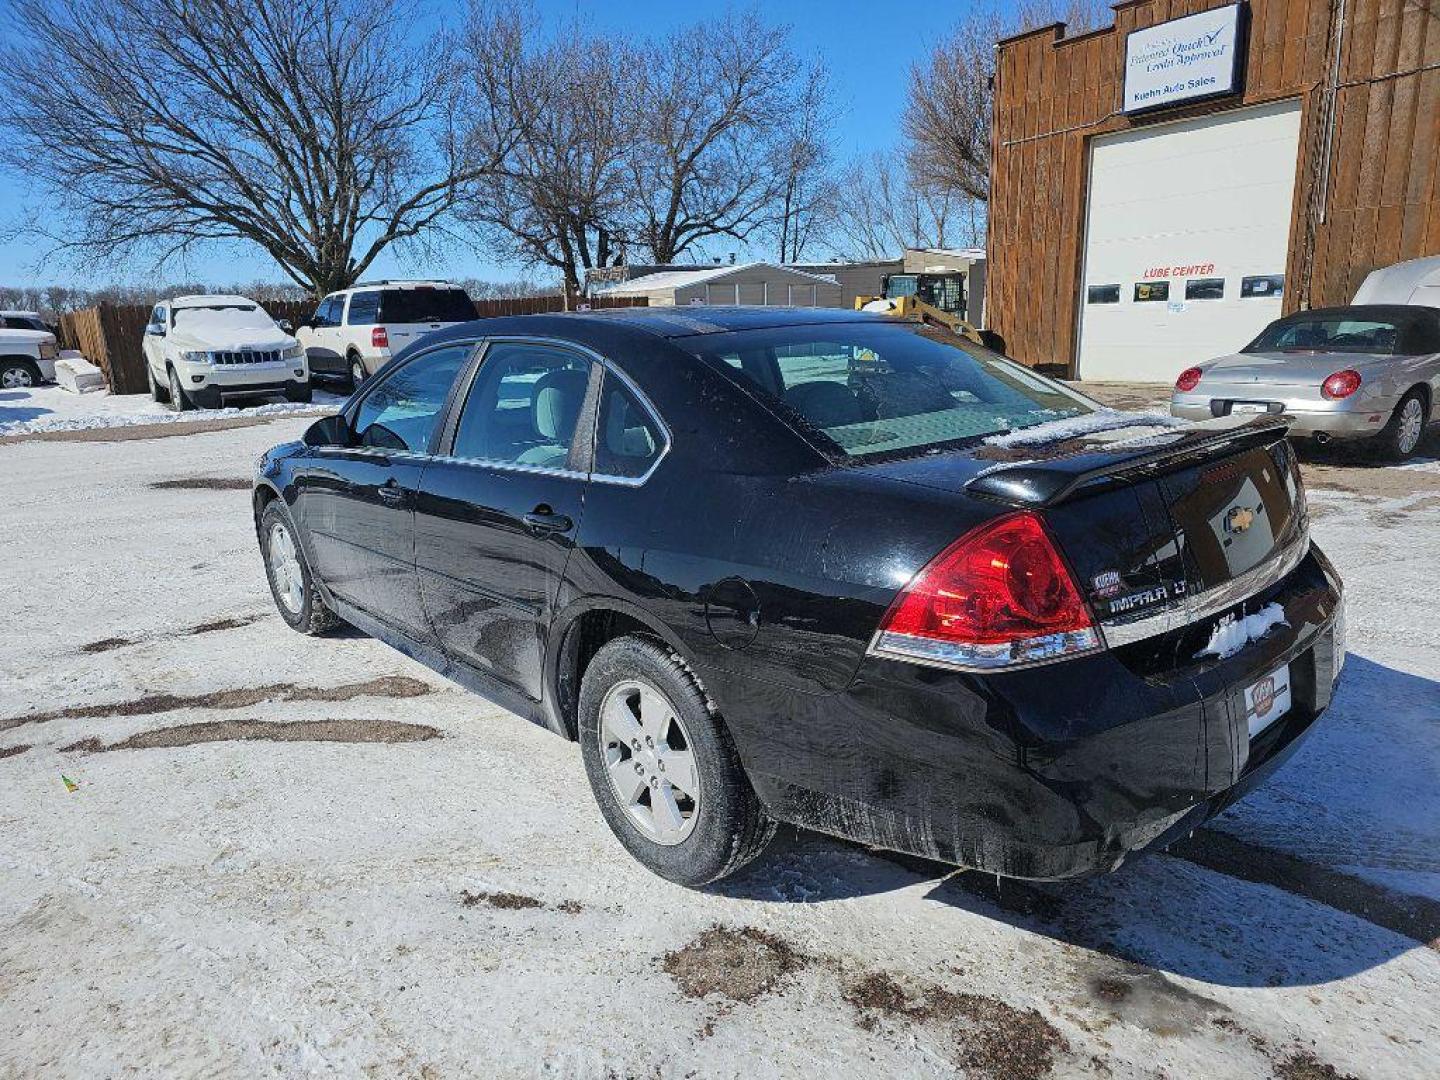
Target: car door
{"x":498,"y":508}
{"x":153,"y":343}
{"x":357,"y":501}
{"x":319,"y":337}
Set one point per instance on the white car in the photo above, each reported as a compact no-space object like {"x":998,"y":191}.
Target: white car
{"x":205,"y":350}
{"x":27,"y":356}
{"x":356,"y":331}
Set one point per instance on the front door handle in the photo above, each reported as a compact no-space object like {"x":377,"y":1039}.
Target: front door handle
{"x":391,"y":492}
{"x":543,"y":520}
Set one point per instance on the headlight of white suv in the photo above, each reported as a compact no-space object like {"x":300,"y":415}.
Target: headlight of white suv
{"x":195,"y":357}
{"x":294,"y":352}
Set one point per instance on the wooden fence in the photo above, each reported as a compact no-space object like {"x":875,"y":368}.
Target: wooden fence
{"x":110,"y":335}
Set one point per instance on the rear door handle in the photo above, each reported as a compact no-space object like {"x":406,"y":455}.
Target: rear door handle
{"x":544,"y":520}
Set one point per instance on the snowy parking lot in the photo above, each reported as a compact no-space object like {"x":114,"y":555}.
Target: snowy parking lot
{"x":232,"y":850}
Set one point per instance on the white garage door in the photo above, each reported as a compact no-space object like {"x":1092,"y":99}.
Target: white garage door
{"x":1186,"y":234}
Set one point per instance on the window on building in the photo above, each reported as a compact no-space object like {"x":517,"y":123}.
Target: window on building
{"x":1262,"y":285}
{"x":1102,"y":294}
{"x":1146,"y":291}
{"x":1205,"y":288}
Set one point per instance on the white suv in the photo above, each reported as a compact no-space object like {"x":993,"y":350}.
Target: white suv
{"x":356,"y":331}
{"x":203,"y":350}
{"x":27,"y":350}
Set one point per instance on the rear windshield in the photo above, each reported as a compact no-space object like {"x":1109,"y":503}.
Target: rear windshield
{"x":888,"y":388}
{"x":425,"y":305}
{"x":1335,"y":333}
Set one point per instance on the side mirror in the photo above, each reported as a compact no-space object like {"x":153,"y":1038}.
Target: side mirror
{"x":329,"y":431}
{"x":284,"y":324}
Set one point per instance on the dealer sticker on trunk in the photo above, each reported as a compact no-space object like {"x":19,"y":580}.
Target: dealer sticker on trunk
{"x":1268,"y":700}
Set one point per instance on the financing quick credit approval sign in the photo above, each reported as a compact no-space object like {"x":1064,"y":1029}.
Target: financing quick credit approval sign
{"x":1184,"y":59}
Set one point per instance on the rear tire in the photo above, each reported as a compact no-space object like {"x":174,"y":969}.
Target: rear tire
{"x":641,"y":708}
{"x":179,"y":399}
{"x":291,"y":584}
{"x":1406,"y":429}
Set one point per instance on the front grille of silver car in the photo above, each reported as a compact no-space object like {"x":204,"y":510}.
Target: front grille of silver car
{"x":261,"y":356}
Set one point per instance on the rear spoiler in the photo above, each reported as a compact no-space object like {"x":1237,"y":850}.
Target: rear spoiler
{"x":1047,"y":483}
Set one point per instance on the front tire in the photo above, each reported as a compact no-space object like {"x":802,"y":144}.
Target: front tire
{"x":157,"y":393}
{"x":288,"y":571}
{"x":663,"y":768}
{"x":1402,"y":435}
{"x":18,"y":375}
{"x":302,"y":393}
{"x":179,"y":399}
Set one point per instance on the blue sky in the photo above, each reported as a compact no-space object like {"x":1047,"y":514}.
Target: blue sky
{"x":868,"y":47}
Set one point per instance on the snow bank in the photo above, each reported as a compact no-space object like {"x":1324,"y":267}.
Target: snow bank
{"x":52,"y":408}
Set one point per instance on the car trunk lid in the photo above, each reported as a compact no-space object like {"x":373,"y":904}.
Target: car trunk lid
{"x":1152,"y":523}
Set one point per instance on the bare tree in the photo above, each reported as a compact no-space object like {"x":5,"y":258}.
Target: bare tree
{"x":951,"y":96}
{"x":885,"y":211}
{"x":311,"y":129}
{"x":717,"y":99}
{"x":809,"y":198}
{"x":558,"y":118}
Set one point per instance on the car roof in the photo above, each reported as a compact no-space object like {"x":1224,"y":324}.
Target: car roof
{"x":1396,"y":313}
{"x":18,"y":314}
{"x":211,"y":300}
{"x":695,"y":319}
{"x":396,"y":283}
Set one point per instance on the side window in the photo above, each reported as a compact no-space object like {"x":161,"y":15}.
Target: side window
{"x":400,"y":412}
{"x":1149,"y":291}
{"x":157,"y":319}
{"x":363,"y":308}
{"x":326,"y":314}
{"x":1102,"y":294}
{"x":523,"y":406}
{"x":627,"y":439}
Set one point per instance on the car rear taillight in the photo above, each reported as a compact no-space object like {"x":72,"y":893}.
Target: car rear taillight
{"x":1340,"y":385}
{"x":379,"y":339}
{"x":1188,"y":380}
{"x":999,"y":596}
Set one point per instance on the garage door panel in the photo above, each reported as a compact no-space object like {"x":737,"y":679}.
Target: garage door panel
{"x":1206,"y":197}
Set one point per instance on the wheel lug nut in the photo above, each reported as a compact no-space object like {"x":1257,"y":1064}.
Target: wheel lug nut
{"x":654,"y":781}
{"x":640,"y":768}
{"x":649,"y":741}
{"x":635,"y":744}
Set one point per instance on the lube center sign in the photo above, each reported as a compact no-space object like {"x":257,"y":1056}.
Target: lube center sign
{"x":1184,"y":59}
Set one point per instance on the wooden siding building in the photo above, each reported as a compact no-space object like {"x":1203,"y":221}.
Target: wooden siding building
{"x":1361,"y":82}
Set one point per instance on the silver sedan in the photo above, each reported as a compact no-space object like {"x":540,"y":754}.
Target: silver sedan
{"x":1362,"y":372}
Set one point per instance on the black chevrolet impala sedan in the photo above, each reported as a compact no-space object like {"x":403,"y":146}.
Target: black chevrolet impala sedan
{"x":825,"y":568}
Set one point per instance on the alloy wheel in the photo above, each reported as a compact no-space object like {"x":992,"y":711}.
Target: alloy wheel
{"x":357,"y":372}
{"x":16,"y":378}
{"x":285,"y":569}
{"x":1412,"y":424}
{"x":649,"y":760}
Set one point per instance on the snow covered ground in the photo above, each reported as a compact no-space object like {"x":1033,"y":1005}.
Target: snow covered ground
{"x":402,"y":880}
{"x":49,"y":408}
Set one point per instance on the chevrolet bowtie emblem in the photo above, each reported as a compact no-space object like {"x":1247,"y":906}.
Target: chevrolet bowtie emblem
{"x":1239,"y":519}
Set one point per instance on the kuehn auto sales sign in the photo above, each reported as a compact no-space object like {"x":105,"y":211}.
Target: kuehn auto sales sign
{"x":1184,"y":59}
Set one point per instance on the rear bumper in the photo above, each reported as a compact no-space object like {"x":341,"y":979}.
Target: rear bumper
{"x":1340,"y":420}
{"x":1058,"y":771}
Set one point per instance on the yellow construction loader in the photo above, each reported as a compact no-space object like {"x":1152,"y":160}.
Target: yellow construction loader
{"x":934,"y":299}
